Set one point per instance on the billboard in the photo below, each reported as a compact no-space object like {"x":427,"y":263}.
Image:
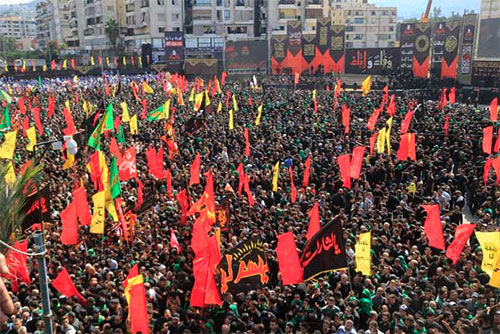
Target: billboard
{"x":489,"y":38}
{"x":174,"y":47}
{"x":371,"y":61}
{"x":249,"y":56}
{"x":407,"y":44}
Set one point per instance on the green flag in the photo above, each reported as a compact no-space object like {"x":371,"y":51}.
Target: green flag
{"x":39,"y":81}
{"x":120,"y":135}
{"x":109,"y":117}
{"x":5,"y":97}
{"x":156,"y":114}
{"x":114,"y":180}
{"x":95,"y":137}
{"x":5,"y":118}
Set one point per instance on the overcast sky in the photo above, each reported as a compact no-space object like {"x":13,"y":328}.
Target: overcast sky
{"x":406,"y":8}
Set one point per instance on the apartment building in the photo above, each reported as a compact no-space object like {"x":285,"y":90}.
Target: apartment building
{"x":367,"y":26}
{"x":75,"y":26}
{"x":96,"y":14}
{"x":53,"y":23}
{"x":308,"y":11}
{"x":489,"y":9}
{"x":22,"y":30}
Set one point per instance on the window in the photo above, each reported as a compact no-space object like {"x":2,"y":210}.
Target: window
{"x":219,"y":2}
{"x":161,"y":17}
{"x":227,"y":15}
{"x":161,"y":29}
{"x":358,"y":37}
{"x":358,"y":20}
{"x":349,"y":28}
{"x":161,"y":2}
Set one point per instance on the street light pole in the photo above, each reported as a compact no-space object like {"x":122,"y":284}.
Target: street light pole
{"x":44,"y":285}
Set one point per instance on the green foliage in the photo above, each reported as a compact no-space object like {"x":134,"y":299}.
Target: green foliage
{"x":112,"y":31}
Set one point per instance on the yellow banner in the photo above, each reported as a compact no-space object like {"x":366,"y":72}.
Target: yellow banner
{"x":363,"y":253}
{"x":490,"y":244}
{"x":97,"y":222}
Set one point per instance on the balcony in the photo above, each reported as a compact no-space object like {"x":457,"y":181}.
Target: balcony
{"x":314,"y":4}
{"x":290,"y":4}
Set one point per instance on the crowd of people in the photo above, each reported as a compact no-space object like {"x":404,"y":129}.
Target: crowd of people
{"x":412,"y":289}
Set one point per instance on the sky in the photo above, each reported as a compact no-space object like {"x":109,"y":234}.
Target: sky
{"x":406,"y":8}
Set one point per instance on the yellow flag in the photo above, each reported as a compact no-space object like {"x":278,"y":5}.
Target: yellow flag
{"x":276,"y":172}
{"x":66,"y":104}
{"x":191,"y":95}
{"x":44,"y":68}
{"x":103,"y":166}
{"x":140,"y":60}
{"x":219,"y":91}
{"x":110,"y":205}
{"x":381,"y":141}
{"x":24,"y":65}
{"x":125,"y":114}
{"x":314,"y":95}
{"x":124,"y":61}
{"x":92,"y":61}
{"x":65,"y":64}
{"x":9,"y":145}
{"x":107,"y":61}
{"x":75,"y":79}
{"x":98,"y":216}
{"x":219,"y":107}
{"x":231,"y":121}
{"x":363,"y":253}
{"x":235,"y":105}
{"x":388,"y":135}
{"x":69,"y":162}
{"x":366,"y":85}
{"x":495,"y":276}
{"x":5,"y":66}
{"x":166,"y":110}
{"x":259,"y":115}
{"x":181,"y":99}
{"x":148,"y":89}
{"x":133,"y":125}
{"x":115,"y":88}
{"x":198,"y":99}
{"x":10,"y":176}
{"x":31,"y":133}
{"x":139,"y":279}
{"x":86,"y":108}
{"x":207,"y":99}
{"x":490,"y":244}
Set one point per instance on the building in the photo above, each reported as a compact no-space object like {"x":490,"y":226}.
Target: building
{"x":97,"y":13}
{"x":53,"y":24}
{"x":367,"y":26}
{"x":75,"y":26}
{"x":307,"y":11}
{"x":17,"y":27}
{"x":489,"y":9}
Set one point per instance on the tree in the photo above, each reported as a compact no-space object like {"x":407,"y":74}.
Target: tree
{"x":7,"y":44}
{"x":437,"y":14}
{"x":112,"y":31}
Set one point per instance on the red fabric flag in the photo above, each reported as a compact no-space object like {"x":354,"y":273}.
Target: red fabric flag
{"x":288,"y":259}
{"x":314,"y":225}
{"x":372,"y":121}
{"x":412,"y":146}
{"x":446,"y":125}
{"x":494,"y":109}
{"x":228,"y":96}
{"x":345,"y":118}
{"x":183,"y":200}
{"x":95,"y":171}
{"x":215,"y":254}
{"x":132,"y":60}
{"x":115,"y":150}
{"x":144,"y":108}
{"x":22,"y":107}
{"x":487,"y":139}
{"x":69,"y":220}
{"x":138,"y":308}
{"x":53,"y":65}
{"x":201,"y":272}
{"x":293,"y":190}
{"x":121,"y":217}
{"x":194,"y":173}
{"x":403,"y":147}
{"x":168,"y":176}
{"x":357,"y":162}
{"x":442,"y":100}
{"x":451,"y":95}
{"x":344,"y":162}
{"x":174,"y":243}
{"x":199,"y":237}
{"x":134,"y":271}
{"x":296,"y":78}
{"x":496,"y":166}
{"x":51,"y":105}
{"x":18,"y":265}
{"x":140,"y":197}
{"x":432,"y":226}
{"x":247,"y":142}
{"x":26,"y":125}
{"x":497,"y":142}
{"x":152,"y":163}
{"x":246,"y":186}
{"x":159,"y":163}
{"x":406,"y":123}
{"x":116,"y":61}
{"x":65,"y":286}
{"x":108,"y":91}
{"x":305,"y":180}
{"x":223,"y":78}
{"x":73,"y":63}
{"x":486,"y":171}
{"x":250,"y":102}
{"x":38,"y":123}
{"x":373,"y":139}
{"x":241,"y":177}
{"x":117,"y":122}
{"x":128,"y":168}
{"x":462,"y":235}
{"x":391,"y":109}
{"x":71,"y":129}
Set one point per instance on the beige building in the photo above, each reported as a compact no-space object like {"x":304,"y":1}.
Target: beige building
{"x":307,"y":11}
{"x":53,"y":23}
{"x":489,"y":9}
{"x":22,"y":30}
{"x":367,"y":26}
{"x":96,"y":14}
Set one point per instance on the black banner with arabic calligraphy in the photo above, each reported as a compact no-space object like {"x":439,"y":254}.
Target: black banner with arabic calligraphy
{"x":308,"y":47}
{"x":322,"y":33}
{"x":294,"y":34}
{"x":336,"y":39}
{"x":278,"y":52}
{"x":450,"y":51}
{"x":438,"y":38}
{"x":407,"y":44}
{"x":371,"y":61}
{"x":421,"y":51}
{"x":325,"y":251}
{"x":36,"y":206}
{"x":244,"y":267}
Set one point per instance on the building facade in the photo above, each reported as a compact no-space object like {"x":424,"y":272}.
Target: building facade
{"x":489,"y":9}
{"x":97,"y":14}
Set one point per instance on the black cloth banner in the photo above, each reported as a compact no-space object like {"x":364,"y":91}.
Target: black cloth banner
{"x":372,"y":61}
{"x":407,"y":45}
{"x":336,"y":42}
{"x":294,"y":35}
{"x":308,"y":47}
{"x":223,"y":216}
{"x":325,"y":251}
{"x":322,"y":34}
{"x":422,"y":49}
{"x":36,"y":207}
{"x":174,"y":47}
{"x":244,"y":267}
{"x":450,"y":50}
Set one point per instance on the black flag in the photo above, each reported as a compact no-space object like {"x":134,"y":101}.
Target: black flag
{"x":36,"y":207}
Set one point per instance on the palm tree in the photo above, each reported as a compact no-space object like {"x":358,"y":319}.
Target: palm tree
{"x":113,"y":31}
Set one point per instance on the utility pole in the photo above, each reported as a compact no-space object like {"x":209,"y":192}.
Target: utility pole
{"x":44,"y":285}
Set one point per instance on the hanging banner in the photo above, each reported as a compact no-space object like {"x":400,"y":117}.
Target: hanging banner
{"x":246,"y":56}
{"x":421,"y":50}
{"x":308,"y":49}
{"x":450,"y":50}
{"x":337,"y":49}
{"x":36,"y":208}
{"x":322,"y":57}
{"x":294,"y":59}
{"x":372,"y":61}
{"x":407,"y":45}
{"x":174,"y":47}
{"x":278,"y":53}
{"x":467,"y":37}
{"x":438,"y":38}
{"x":244,"y":267}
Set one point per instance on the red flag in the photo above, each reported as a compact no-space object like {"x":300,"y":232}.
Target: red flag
{"x":65,"y":286}
{"x":140,"y":197}
{"x":115,"y":150}
{"x":132,"y":60}
{"x":432,"y":226}
{"x":228,"y":96}
{"x":18,"y":265}
{"x":69,"y":219}
{"x":53,"y":65}
{"x":194,"y":173}
{"x":73,"y":63}
{"x":412,"y":147}
{"x":373,"y":139}
{"x":357,"y":162}
{"x":296,"y":78}
{"x":288,"y":259}
{"x":497,"y":142}
{"x":51,"y":105}
{"x":293,"y":190}
{"x":250,"y":102}
{"x":38,"y":123}
{"x":152,"y":163}
{"x":442,"y":101}
{"x":373,"y":119}
{"x":314,"y":225}
{"x":128,"y":167}
{"x":496,"y":166}
{"x":486,"y":171}
{"x":487,"y":139}
{"x":168,"y":176}
{"x":305,"y":180}
{"x":134,"y":271}
{"x":345,"y":118}
{"x":183,"y":200}
{"x":108,"y":91}
{"x":247,"y":142}
{"x":391,"y":109}
{"x":494,"y":109}
{"x":344,"y":162}
{"x":138,"y":308}
{"x":241,"y":176}
{"x":246,"y":186}
{"x":406,"y":123}
{"x":144,"y":108}
{"x":223,"y":78}
{"x":403,"y":147}
{"x":22,"y":107}
{"x":116,"y":61}
{"x":446,"y":125}
{"x":462,"y":235}
{"x":173,"y":241}
{"x":205,"y":291}
{"x":121,"y":217}
{"x":26,"y":125}
{"x":71,"y":129}
{"x":451,"y":95}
